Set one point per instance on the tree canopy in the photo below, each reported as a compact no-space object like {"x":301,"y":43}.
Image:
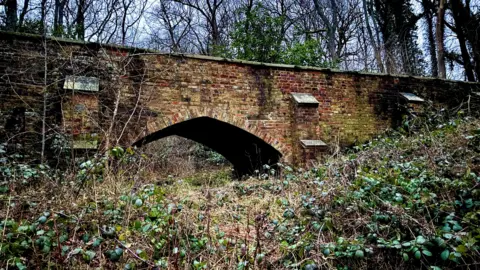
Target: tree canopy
{"x":438,"y":38}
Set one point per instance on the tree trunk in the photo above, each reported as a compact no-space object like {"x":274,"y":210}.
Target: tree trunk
{"x":442,"y":73}
{"x":23,"y":12}
{"x":460,"y":26}
{"x":432,"y":48}
{"x":376,"y":49}
{"x":248,"y":15}
{"x":473,"y":36}
{"x":331,"y":28}
{"x":58,"y":17}
{"x":475,"y":41}
{"x":332,"y":32}
{"x":214,"y":30}
{"x":80,"y":20}
{"x":43,"y":15}
{"x":11,"y":14}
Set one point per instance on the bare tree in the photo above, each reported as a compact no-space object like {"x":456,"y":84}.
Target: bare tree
{"x":282,"y":9}
{"x":350,"y":20}
{"x":109,"y":21}
{"x":43,"y":16}
{"x":11,"y":14}
{"x":23,"y":13}
{"x":442,"y":73}
{"x":99,"y":21}
{"x":213,"y":18}
{"x":342,"y":22}
{"x":82,"y":8}
{"x":330,"y":25}
{"x":173,"y":27}
{"x":460,"y":16}
{"x":59,"y":15}
{"x":131,"y":12}
{"x":375,"y":42}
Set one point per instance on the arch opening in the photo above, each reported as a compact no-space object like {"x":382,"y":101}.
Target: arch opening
{"x":243,"y":149}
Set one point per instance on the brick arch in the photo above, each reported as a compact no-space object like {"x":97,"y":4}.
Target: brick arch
{"x":243,"y":143}
{"x":225,"y":115}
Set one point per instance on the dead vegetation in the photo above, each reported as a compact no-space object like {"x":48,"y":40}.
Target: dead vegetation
{"x":406,"y":200}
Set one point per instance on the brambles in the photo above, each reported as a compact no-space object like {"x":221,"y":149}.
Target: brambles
{"x":407,"y":200}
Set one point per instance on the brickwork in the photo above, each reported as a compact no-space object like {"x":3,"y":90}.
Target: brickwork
{"x":147,"y":91}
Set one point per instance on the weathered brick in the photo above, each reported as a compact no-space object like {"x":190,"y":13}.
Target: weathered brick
{"x":158,"y":90}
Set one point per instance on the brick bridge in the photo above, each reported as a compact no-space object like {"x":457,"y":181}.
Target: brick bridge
{"x":252,"y":113}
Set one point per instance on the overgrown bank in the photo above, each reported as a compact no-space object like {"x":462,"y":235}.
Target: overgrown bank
{"x":408,"y":200}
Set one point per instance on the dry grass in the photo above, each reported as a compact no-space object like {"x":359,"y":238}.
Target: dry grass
{"x":241,"y":220}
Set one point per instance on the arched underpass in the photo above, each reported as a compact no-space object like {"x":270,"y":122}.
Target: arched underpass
{"x":244,"y":150}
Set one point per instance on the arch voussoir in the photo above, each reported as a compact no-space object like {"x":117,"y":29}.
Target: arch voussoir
{"x":222,"y":114}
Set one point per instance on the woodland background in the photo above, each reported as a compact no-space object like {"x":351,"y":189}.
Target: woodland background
{"x":438,"y":38}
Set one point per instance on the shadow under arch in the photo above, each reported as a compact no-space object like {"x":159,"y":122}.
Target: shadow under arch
{"x":243,"y":149}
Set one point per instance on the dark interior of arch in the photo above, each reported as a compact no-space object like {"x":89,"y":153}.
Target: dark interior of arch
{"x":244,"y":150}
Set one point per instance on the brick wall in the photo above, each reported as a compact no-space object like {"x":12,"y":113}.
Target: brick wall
{"x":148,"y":91}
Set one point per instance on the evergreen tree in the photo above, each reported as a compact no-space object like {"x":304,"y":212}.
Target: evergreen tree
{"x":397,"y":24}
{"x":257,"y":36}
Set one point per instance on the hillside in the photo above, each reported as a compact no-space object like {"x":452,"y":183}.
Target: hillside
{"x":407,"y":200}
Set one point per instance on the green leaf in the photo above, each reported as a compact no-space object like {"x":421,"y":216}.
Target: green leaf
{"x":418,"y":254}
{"x":97,"y":242}
{"x":142,"y":254}
{"x":46,"y":249}
{"x":420,"y":240}
{"x":461,"y":249}
{"x":359,"y":254}
{"x":25,"y":244}
{"x":76,"y":251}
{"x":118,"y":251}
{"x":457,"y":227}
{"x":42,"y":219}
{"x":260,"y":257}
{"x":114,"y":255}
{"x":289,"y":213}
{"x":89,"y":255}
{"x":445,"y":254}
{"x":64,"y":250}
{"x":137,"y":224}
{"x":146,"y":227}
{"x":405,"y":256}
{"x":427,"y":252}
{"x":23,"y":228}
{"x":448,"y":235}
{"x":4,"y":189}
{"x":20,"y":266}
{"x":440,"y":242}
{"x":63,"y":238}
{"x":85,"y":238}
{"x":469,"y":203}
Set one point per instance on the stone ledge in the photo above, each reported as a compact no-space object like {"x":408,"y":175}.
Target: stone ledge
{"x":313,"y":144}
{"x":305,"y":99}
{"x":411,"y":97}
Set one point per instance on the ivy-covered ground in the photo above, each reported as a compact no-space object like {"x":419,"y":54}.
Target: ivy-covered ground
{"x":407,"y":200}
